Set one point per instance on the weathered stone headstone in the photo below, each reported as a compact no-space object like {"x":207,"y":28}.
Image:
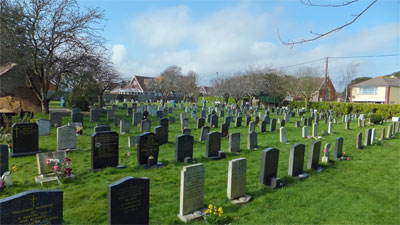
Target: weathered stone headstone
{"x":272,"y":126}
{"x":373,"y":135}
{"x":330,"y":128}
{"x":124,"y":126}
{"x":313,"y":155}
{"x":358,"y":140}
{"x":297,"y":124}
{"x":315,"y":130}
{"x":252,"y":126}
{"x":110,"y":114}
{"x":159,"y":114}
{"x":191,"y":192}
{"x":128,"y":201}
{"x":184,"y":123}
{"x":94,"y":115}
{"x":263,"y":127}
{"x":184,"y":147}
{"x":367,"y":140}
{"x":105,"y":150}
{"x":248,"y":120}
{"x":283,"y":135}
{"x":3,"y":159}
{"x":187,"y":131}
{"x":347,"y":125}
{"x":252,"y":140}
{"x":282,"y":123}
{"x":389,"y":131}
{"x":147,"y":152}
{"x":234,"y":142}
{"x":203,"y":134}
{"x":269,"y":168}
{"x":296,"y":160}
{"x":200,"y":122}
{"x":305,"y":132}
{"x":213,"y":145}
{"x":339,"y":148}
{"x":382,"y":136}
{"x":66,"y":138}
{"x":129,"y":111}
{"x":33,"y":207}
{"x":327,"y":153}
{"x":137,"y":118}
{"x":25,"y":139}
{"x":132,"y":141}
{"x":164,"y":122}
{"x":237,"y":181}
{"x":44,"y":127}
{"x":55,"y":119}
{"x":76,"y":116}
{"x":145,"y":126}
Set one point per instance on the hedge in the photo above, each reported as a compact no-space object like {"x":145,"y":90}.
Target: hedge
{"x":342,"y":108}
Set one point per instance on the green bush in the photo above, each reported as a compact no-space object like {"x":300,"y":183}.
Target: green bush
{"x":375,"y":118}
{"x":80,"y":99}
{"x":385,"y":110}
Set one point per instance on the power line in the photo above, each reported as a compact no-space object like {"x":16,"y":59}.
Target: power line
{"x":363,"y":56}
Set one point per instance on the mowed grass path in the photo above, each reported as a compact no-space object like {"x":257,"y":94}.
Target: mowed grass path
{"x":363,"y":190}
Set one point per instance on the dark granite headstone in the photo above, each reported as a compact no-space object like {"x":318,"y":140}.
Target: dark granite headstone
{"x":3,"y":159}
{"x":148,"y":148}
{"x":252,"y":140}
{"x":269,"y":167}
{"x":263,"y":127}
{"x":304,"y":122}
{"x":267,"y":119}
{"x":272,"y":126}
{"x":282,"y":123}
{"x":104,"y":150}
{"x":137,"y":117}
{"x":248,"y":120}
{"x":55,"y":118}
{"x":313,"y":155}
{"x":296,"y":160}
{"x":159,"y":114}
{"x":183,"y":147}
{"x":358,"y":140}
{"x":128,"y":201}
{"x":214,"y":121}
{"x":213,"y":145}
{"x":164,"y":122}
{"x":94,"y":115}
{"x":33,"y":207}
{"x":339,"y":148}
{"x":76,"y":117}
{"x":25,"y":139}
{"x":102,"y":128}
{"x":200,"y":122}
{"x":162,"y":134}
{"x":238,"y":121}
{"x":129,"y":111}
{"x":224,"y":130}
{"x":367,"y":140}
{"x":382,"y":135}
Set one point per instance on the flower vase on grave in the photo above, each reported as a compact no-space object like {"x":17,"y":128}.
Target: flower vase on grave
{"x":151,"y":161}
{"x":7,"y":178}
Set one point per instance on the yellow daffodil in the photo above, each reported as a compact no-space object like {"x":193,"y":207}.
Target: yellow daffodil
{"x":220,"y":214}
{"x":215,"y":213}
{"x":210,"y":206}
{"x":15,"y":168}
{"x":220,"y":209}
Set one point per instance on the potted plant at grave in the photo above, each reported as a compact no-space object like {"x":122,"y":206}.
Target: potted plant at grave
{"x":60,"y":169}
{"x":5,"y":179}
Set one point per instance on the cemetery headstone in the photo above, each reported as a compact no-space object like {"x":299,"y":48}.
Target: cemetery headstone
{"x":137,"y":118}
{"x":252,"y":140}
{"x":184,"y":147}
{"x":187,"y":131}
{"x":224,"y":130}
{"x":25,"y":139}
{"x":305,"y":132}
{"x":213,"y":146}
{"x":238,"y":122}
{"x":44,"y":127}
{"x":339,"y":148}
{"x":110,"y":114}
{"x":367,"y":140}
{"x":132,"y":141}
{"x":145,"y":126}
{"x":105,"y":150}
{"x":283,"y":135}
{"x":55,"y":119}
{"x":66,"y":138}
{"x":162,"y":134}
{"x":124,"y":127}
{"x":358,"y":140}
{"x":234,"y":142}
{"x":214,"y":121}
{"x":313,"y":155}
{"x":203,"y":134}
{"x":315,"y":130}
{"x":269,"y":168}
{"x":237,"y":181}
{"x":94,"y":115}
{"x":101,"y":128}
{"x":147,"y":152}
{"x":191,"y":192}
{"x":296,"y":160}
{"x":200,"y":122}
{"x":373,"y":135}
{"x":330,"y":128}
{"x":33,"y":207}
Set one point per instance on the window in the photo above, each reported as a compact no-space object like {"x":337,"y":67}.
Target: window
{"x":368,"y":91}
{"x":328,"y":94}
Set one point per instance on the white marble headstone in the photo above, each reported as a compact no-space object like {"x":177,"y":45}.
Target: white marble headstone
{"x":236,"y":178}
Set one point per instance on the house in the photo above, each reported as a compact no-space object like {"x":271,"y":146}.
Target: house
{"x":136,"y":89}
{"x":204,"y":90}
{"x":324,"y":91}
{"x":15,"y":95}
{"x":377,"y":90}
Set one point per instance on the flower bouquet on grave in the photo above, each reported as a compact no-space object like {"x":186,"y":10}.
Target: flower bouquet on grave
{"x":79,"y":131}
{"x":345,"y":157}
{"x":327,"y":153}
{"x":5,"y":179}
{"x":60,"y":169}
{"x":215,"y":215}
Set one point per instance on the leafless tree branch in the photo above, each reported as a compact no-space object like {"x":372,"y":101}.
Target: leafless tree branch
{"x":310,"y":3}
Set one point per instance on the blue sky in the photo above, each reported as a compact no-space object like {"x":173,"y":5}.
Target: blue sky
{"x":228,"y":36}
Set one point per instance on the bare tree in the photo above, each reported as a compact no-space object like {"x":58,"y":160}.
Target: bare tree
{"x":315,"y":35}
{"x":348,"y":74}
{"x":306,"y":83}
{"x":187,"y":85}
{"x":167,"y":84}
{"x":55,"y":31}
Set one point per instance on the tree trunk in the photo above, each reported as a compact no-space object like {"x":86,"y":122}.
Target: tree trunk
{"x":100,"y":99}
{"x":45,"y":106}
{"x":306,"y":100}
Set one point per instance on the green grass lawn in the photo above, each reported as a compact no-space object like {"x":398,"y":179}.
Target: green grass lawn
{"x":363,"y":190}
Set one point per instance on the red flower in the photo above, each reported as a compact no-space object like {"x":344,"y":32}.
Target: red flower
{"x":348,"y":158}
{"x":48,"y":161}
{"x":56,"y":168}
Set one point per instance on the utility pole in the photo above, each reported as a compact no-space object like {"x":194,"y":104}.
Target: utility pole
{"x":217,"y":75}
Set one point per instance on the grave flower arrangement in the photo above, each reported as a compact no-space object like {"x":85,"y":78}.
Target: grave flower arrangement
{"x":215,"y":215}
{"x":60,"y":169}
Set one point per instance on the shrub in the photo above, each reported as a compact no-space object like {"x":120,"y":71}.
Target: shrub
{"x":375,"y":118}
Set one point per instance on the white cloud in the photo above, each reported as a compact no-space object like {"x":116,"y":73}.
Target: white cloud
{"x":231,"y":40}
